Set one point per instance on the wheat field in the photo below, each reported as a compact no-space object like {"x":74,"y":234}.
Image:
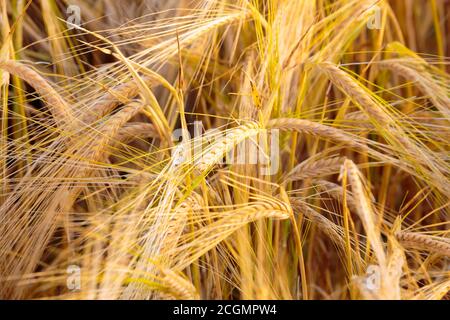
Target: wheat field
{"x":225,"y":149}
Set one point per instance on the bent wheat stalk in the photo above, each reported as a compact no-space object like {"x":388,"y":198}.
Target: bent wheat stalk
{"x":58,"y":107}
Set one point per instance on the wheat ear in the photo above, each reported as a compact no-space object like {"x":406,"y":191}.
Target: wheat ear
{"x":314,"y":128}
{"x":365,"y":210}
{"x":343,"y":80}
{"x":376,"y":110}
{"x":136,"y":130}
{"x":111,"y":127}
{"x":423,"y":242}
{"x":178,"y":220}
{"x":58,"y":107}
{"x":225,"y":143}
{"x":336,"y":192}
{"x":210,"y":235}
{"x":360,"y":119}
{"x":433,"y":291}
{"x":411,"y":151}
{"x":333,"y":231}
{"x":178,"y":286}
{"x":426,"y":85}
{"x":119,"y":94}
{"x":314,"y":169}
